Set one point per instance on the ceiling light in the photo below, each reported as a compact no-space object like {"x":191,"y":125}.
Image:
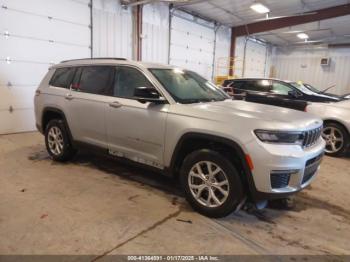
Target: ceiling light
{"x":260,"y":8}
{"x":303,"y":36}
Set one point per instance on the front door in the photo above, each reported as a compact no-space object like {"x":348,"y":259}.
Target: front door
{"x":135,"y":130}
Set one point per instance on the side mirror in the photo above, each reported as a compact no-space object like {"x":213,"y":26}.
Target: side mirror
{"x":148,"y":94}
{"x":293,"y":94}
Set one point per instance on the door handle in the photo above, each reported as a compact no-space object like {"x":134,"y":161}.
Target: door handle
{"x":115,"y":104}
{"x":69,"y":97}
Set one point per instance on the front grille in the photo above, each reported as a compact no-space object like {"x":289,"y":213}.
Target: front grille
{"x":311,"y":136}
{"x":311,"y":168}
{"x":279,"y":180}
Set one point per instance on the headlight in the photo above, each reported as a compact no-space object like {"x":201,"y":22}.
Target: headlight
{"x":280,"y":137}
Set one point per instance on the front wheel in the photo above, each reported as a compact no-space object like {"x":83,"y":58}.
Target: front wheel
{"x":337,"y":139}
{"x":211,"y":183}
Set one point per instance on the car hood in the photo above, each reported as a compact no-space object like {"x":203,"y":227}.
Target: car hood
{"x":291,"y":119}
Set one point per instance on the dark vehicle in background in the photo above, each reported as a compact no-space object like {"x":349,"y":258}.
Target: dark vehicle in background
{"x":275,"y":92}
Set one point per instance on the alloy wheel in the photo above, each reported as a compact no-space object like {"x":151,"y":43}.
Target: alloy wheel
{"x":334,"y":139}
{"x":55,"y":140}
{"x":208,"y":184}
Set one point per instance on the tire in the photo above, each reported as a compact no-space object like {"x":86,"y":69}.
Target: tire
{"x":227,"y":172}
{"x":60,"y":148}
{"x":333,"y":132}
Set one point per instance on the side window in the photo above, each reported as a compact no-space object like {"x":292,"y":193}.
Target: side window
{"x":237,"y":84}
{"x":94,"y":80}
{"x":62,"y":77}
{"x":227,"y":83}
{"x":126,"y":80}
{"x":76,"y":79}
{"x":280,"y":88}
{"x":259,"y":85}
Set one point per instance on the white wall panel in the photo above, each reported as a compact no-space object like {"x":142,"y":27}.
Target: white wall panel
{"x":222,"y":50}
{"x":192,"y":43}
{"x":33,"y":35}
{"x":257,"y":58}
{"x":304,"y":65}
{"x":112,"y":29}
{"x":155,"y":33}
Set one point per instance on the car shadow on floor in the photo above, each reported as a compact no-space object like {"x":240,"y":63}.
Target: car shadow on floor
{"x":146,"y":177}
{"x":130,"y":171}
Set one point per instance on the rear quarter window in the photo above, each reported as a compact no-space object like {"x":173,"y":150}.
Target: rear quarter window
{"x":62,"y":77}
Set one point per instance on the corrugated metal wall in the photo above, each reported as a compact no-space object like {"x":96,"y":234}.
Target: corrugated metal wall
{"x":222,"y":50}
{"x":192,"y":43}
{"x":257,"y":58}
{"x":155,"y":33}
{"x":304,"y":65}
{"x":192,"y":39}
{"x":112,"y":29}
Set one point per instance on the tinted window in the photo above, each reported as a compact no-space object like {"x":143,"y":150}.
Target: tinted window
{"x":62,"y":77}
{"x":95,"y":80}
{"x":126,"y":80}
{"x":227,"y":82}
{"x":258,"y":85}
{"x":280,"y":88}
{"x":76,"y":79}
{"x":237,"y":84}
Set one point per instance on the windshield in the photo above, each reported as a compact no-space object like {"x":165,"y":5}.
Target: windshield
{"x":188,"y":87}
{"x":306,"y":88}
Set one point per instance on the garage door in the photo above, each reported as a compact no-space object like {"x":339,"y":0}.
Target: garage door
{"x":256,"y":58}
{"x":34,"y":35}
{"x":192,"y":43}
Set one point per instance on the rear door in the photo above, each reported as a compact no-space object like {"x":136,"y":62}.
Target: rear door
{"x":87,"y":102}
{"x":59,"y":85}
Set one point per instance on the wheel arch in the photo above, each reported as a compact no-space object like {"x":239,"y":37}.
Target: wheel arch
{"x":50,"y":113}
{"x":192,"y":141}
{"x":336,"y":121}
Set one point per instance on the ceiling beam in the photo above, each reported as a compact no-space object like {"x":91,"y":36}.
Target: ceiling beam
{"x":278,"y":23}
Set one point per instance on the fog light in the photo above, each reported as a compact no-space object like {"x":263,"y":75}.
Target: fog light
{"x":280,"y":178}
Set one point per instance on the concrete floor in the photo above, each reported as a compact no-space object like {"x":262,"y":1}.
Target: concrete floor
{"x":96,"y":206}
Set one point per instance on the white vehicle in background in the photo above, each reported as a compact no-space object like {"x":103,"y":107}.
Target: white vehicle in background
{"x":336,"y":131}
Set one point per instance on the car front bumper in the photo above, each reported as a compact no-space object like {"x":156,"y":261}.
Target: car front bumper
{"x":281,"y":170}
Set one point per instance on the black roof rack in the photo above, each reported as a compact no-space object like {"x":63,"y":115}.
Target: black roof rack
{"x":97,"y":58}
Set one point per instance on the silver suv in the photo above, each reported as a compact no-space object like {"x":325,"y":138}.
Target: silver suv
{"x":173,"y":120}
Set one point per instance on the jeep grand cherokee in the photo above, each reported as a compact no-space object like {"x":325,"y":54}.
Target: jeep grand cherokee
{"x":181,"y":124}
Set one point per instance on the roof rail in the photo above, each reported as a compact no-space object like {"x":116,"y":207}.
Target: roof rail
{"x":97,"y":58}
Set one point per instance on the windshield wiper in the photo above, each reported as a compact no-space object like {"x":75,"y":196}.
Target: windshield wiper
{"x":324,"y":91}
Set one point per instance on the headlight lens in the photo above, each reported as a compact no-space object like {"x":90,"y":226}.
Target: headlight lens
{"x":280,"y":137}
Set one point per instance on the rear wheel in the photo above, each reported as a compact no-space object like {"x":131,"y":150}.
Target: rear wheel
{"x":57,"y":141}
{"x":211,"y":183}
{"x":337,"y":139}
